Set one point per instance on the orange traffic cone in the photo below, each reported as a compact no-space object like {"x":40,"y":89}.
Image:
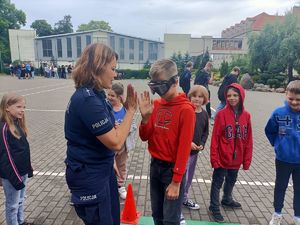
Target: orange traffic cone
{"x":129,"y":215}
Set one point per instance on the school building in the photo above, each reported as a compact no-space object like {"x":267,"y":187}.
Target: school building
{"x":65,"y":49}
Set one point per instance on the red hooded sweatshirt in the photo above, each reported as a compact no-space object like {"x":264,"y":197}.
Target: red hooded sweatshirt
{"x":229,"y":135}
{"x":169,"y":132}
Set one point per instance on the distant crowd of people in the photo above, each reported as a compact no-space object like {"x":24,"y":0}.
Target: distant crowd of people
{"x":22,"y":71}
{"x":54,"y":71}
{"x":28,"y":71}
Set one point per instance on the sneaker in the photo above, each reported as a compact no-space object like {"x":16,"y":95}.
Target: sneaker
{"x":122,"y":192}
{"x":182,"y":220}
{"x":212,"y":121}
{"x":190,"y":204}
{"x":296,"y":220}
{"x":276,"y":219}
{"x":217,"y":216}
{"x":232,"y":204}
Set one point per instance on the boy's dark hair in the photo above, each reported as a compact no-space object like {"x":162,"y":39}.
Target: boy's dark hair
{"x":189,"y":64}
{"x":294,"y":87}
{"x":236,"y":70}
{"x":118,"y":88}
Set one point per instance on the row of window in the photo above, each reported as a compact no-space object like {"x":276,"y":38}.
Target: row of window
{"x":152,"y":48}
{"x":47,"y":46}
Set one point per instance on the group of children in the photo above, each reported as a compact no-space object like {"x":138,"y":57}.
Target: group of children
{"x":174,"y":145}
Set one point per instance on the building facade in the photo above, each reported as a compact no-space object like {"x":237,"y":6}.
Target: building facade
{"x":64,"y":49}
{"x":21,"y":43}
{"x":220,"y":49}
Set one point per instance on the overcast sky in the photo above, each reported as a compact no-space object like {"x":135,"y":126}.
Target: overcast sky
{"x":152,"y":18}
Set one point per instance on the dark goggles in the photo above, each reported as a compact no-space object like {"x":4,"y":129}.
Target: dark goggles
{"x":161,"y":87}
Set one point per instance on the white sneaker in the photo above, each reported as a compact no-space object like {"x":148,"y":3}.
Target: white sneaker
{"x":182,"y":220}
{"x":122,"y":192}
{"x":296,"y":220}
{"x":276,"y":219}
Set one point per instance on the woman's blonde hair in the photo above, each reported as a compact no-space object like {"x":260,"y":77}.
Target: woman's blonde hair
{"x":201,"y":90}
{"x":163,"y":69}
{"x":92,"y":64}
{"x":8,"y":100}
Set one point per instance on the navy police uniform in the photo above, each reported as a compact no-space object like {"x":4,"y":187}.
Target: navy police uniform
{"x":89,"y":173}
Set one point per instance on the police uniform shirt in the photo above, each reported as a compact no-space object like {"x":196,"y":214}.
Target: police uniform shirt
{"x":88,"y":115}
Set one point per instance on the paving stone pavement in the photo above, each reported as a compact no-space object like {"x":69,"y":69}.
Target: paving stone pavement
{"x":47,"y":199}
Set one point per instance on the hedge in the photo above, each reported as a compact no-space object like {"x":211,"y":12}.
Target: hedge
{"x":136,"y":74}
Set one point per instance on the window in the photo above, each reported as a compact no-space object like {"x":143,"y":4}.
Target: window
{"x":88,"y":39}
{"x":69,"y":48}
{"x":153,"y":51}
{"x":121,"y":48}
{"x":59,"y":48}
{"x":141,"y":50}
{"x":47,"y":48}
{"x":78,"y":42}
{"x":112,"y":42}
{"x":131,"y":49}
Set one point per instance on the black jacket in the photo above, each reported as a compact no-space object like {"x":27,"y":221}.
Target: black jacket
{"x":228,"y":79}
{"x":14,"y":157}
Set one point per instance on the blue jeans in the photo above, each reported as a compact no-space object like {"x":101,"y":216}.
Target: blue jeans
{"x":220,"y":106}
{"x":164,"y":211}
{"x":14,"y":202}
{"x":230,"y":176}
{"x":283,"y":172}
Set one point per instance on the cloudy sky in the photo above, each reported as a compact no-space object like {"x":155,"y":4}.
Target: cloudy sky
{"x":152,"y":18}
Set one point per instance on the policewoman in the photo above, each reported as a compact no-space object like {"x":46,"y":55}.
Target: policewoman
{"x":93,"y":139}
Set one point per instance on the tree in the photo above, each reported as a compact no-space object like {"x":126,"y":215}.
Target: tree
{"x":243,"y":62}
{"x":179,"y":60}
{"x":94,"y":25}
{"x":197,"y":61}
{"x":277,"y":48}
{"x":42,"y":28}
{"x":263,"y":48}
{"x":10,"y":18}
{"x":224,"y":69}
{"x":63,"y":26}
{"x":147,"y":65}
{"x":205,"y":59}
{"x":289,"y":52}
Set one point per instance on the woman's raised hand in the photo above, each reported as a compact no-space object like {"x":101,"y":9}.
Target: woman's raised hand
{"x":145,"y":105}
{"x":131,"y":99}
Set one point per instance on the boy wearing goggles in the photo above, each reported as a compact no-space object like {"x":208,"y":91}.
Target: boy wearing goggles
{"x":166,"y":125}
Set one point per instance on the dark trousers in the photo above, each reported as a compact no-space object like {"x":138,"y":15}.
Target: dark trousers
{"x":230,"y":176}
{"x":208,"y":110}
{"x":283,"y":172}
{"x":107,"y":211}
{"x":164,"y":211}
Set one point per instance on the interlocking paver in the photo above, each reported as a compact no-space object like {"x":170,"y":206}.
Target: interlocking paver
{"x":48,"y":196}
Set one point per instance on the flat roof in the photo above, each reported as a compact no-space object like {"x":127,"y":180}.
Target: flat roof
{"x":91,"y":31}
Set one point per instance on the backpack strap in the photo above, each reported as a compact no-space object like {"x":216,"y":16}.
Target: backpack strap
{"x":8,"y":152}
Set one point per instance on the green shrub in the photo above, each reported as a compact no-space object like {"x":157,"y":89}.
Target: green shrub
{"x":136,"y":74}
{"x":274,"y":83}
